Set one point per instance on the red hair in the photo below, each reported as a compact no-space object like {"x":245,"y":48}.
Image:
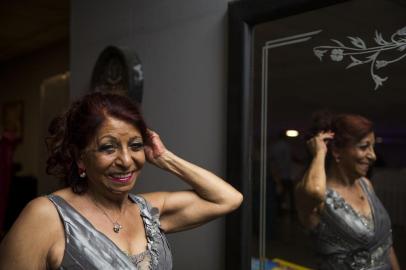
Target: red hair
{"x":71,"y":132}
{"x":350,"y":128}
{"x":347,"y":128}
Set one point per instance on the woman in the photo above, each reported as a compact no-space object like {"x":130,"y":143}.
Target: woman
{"x":99,"y":148}
{"x":336,"y":201}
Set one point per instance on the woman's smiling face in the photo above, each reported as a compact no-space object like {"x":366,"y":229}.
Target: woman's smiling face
{"x":114,"y":158}
{"x":356,"y":159}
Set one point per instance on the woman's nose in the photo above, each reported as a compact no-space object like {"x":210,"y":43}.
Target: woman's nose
{"x":124,"y":159}
{"x":371,"y":154}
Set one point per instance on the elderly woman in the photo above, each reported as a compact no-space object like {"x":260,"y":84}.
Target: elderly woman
{"x":336,"y":201}
{"x":99,"y":148}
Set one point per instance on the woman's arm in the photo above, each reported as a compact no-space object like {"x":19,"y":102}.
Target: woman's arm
{"x":393,"y":259}
{"x":211,"y":196}
{"x":310,"y":192}
{"x":28,"y":243}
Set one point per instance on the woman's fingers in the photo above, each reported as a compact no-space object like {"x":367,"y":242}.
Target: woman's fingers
{"x":325,"y":135}
{"x":319,"y":142}
{"x":156,"y":147}
{"x":152,"y":134}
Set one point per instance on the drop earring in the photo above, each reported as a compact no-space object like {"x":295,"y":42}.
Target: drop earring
{"x":82,"y":173}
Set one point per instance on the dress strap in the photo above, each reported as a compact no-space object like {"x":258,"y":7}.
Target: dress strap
{"x":366,"y":186}
{"x":150,"y":216}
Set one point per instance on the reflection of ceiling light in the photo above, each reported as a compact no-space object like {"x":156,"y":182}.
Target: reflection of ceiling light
{"x":292,"y":133}
{"x":379,"y":140}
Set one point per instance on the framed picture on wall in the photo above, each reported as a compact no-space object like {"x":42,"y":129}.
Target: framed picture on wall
{"x":12,"y":117}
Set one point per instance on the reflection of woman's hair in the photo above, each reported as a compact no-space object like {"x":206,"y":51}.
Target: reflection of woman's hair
{"x":347,"y":128}
{"x":71,"y":133}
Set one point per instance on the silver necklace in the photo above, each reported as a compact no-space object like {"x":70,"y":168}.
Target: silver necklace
{"x":116,"y":226}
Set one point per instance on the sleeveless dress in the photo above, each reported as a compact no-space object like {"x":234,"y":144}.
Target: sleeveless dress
{"x":345,"y":239}
{"x":87,"y":248}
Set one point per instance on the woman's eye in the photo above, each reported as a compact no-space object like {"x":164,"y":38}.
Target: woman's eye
{"x":136,"y":146}
{"x":363,"y":147}
{"x":107,"y":148}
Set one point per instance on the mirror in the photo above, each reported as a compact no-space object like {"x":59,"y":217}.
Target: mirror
{"x":297,"y":58}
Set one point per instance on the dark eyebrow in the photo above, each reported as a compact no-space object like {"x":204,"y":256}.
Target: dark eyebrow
{"x":114,"y":139}
{"x":108,"y":137}
{"x":136,"y":138}
{"x":366,"y":143}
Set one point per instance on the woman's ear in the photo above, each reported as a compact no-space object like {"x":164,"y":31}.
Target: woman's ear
{"x":335,"y":152}
{"x":78,"y":157}
{"x":81,"y":165}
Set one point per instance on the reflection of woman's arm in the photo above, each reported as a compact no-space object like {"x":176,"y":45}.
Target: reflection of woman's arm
{"x":393,"y":259}
{"x":311,"y":190}
{"x":211,"y":196}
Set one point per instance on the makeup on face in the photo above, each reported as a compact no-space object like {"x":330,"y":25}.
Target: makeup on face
{"x":116,"y":155}
{"x":110,"y":145}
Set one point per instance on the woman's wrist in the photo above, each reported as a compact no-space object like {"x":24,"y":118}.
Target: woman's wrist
{"x":320,"y":154}
{"x":165,"y":160}
{"x":171,"y":163}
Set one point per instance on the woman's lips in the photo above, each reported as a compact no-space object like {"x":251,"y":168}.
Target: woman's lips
{"x":121,"y":178}
{"x":365,"y":166}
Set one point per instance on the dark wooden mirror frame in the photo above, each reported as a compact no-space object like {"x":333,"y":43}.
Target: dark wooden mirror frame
{"x":243,"y":16}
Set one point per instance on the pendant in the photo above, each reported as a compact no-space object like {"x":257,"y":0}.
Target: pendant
{"x":117,"y":227}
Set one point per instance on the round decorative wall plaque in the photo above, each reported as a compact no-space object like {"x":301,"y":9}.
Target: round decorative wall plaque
{"x":119,"y":71}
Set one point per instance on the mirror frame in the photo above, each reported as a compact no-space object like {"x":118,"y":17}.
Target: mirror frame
{"x":243,"y":16}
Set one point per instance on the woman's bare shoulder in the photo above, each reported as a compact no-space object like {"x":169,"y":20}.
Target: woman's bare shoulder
{"x":31,"y":237}
{"x":35,"y":214}
{"x":40,"y":208}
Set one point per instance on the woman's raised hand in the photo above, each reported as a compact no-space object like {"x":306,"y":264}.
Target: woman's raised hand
{"x":155,"y":148}
{"x":318,"y":143}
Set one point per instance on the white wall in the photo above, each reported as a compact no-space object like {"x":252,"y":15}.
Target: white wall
{"x":182,"y":44}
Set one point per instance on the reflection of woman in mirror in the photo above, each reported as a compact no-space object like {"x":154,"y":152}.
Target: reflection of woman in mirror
{"x":336,"y":201}
{"x":99,"y":148}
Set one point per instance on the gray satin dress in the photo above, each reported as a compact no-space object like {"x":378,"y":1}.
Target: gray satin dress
{"x":345,"y":239}
{"x":87,"y":248}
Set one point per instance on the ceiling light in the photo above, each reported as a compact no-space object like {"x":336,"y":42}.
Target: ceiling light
{"x":292,"y":133}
